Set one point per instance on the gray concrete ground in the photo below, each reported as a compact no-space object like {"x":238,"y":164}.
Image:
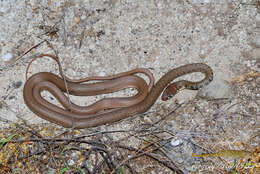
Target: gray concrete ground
{"x":107,"y":37}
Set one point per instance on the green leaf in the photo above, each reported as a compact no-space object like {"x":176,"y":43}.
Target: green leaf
{"x":120,"y":170}
{"x":4,"y":141}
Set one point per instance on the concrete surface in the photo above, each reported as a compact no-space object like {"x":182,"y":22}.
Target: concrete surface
{"x":112,"y":36}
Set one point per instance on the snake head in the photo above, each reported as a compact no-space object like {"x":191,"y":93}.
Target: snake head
{"x":169,"y":92}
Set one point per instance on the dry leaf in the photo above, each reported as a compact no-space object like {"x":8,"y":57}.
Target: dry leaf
{"x":76,"y":20}
{"x":244,"y":77}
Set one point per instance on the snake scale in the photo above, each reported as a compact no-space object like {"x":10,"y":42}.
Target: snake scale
{"x":105,"y":111}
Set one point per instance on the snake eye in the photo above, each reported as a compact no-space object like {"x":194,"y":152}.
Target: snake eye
{"x":169,"y":96}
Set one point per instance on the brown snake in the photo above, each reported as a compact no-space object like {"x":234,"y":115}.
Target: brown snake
{"x":106,"y":110}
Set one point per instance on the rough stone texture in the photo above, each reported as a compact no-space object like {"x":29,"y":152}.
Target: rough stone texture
{"x":217,"y":89}
{"x":117,"y":36}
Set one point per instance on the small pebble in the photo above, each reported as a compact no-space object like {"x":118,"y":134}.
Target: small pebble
{"x":11,"y":97}
{"x":71,"y":162}
{"x":7,"y":57}
{"x":17,"y":85}
{"x":176,"y":142}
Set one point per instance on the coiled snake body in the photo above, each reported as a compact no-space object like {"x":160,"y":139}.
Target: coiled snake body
{"x":85,"y":117}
